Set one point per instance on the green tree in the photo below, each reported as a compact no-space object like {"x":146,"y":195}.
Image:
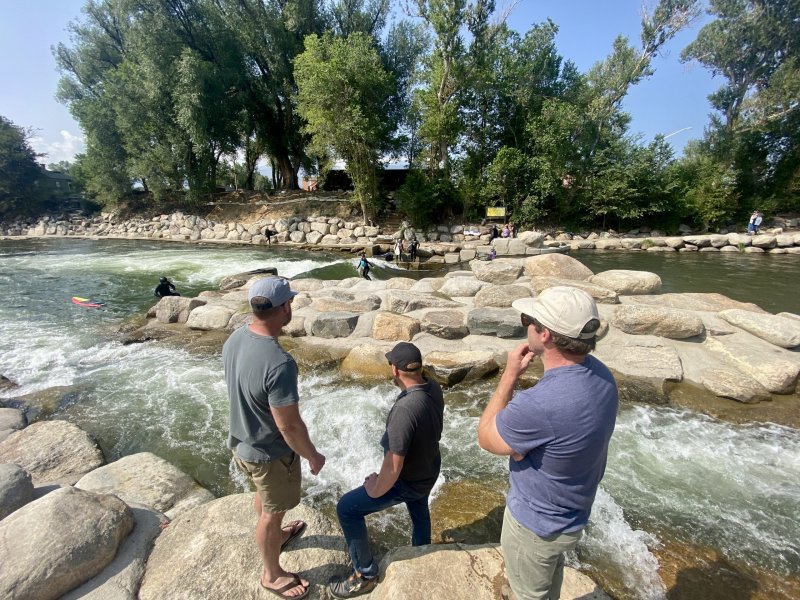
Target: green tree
{"x":343,"y":94}
{"x":19,"y":170}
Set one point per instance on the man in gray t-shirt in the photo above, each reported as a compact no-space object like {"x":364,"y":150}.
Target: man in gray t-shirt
{"x":267,"y":434}
{"x":556,"y":435}
{"x":411,"y":463}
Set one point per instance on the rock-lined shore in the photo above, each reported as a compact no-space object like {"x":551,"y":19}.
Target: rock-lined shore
{"x":442,"y":243}
{"x":72,"y":526}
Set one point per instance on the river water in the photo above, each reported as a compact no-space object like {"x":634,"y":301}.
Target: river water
{"x":675,"y":479}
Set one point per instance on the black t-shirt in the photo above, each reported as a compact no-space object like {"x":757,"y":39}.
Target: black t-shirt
{"x":413,"y":430}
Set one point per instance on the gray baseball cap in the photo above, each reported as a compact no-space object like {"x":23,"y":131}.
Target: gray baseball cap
{"x":269,"y":292}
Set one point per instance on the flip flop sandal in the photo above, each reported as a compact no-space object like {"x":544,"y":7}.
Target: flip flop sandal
{"x":292,"y":584}
{"x":298,"y":528}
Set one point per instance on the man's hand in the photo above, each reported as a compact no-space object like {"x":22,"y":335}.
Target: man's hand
{"x":369,"y":484}
{"x":519,"y":359}
{"x":316,"y":463}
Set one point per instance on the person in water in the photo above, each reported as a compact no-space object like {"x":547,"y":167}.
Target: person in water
{"x":363,"y":266}
{"x":165,"y":288}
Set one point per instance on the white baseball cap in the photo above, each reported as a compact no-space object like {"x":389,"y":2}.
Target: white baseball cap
{"x":562,"y":309}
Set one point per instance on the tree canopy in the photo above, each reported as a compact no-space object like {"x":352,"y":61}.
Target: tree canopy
{"x":181,"y":96}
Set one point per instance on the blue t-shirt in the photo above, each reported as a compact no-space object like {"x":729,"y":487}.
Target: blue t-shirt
{"x":561,"y":427}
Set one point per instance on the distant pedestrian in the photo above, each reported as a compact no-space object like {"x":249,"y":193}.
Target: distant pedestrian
{"x":513,"y":229}
{"x":412,"y":248}
{"x":492,"y":253}
{"x":398,"y":250}
{"x":506,"y":231}
{"x":751,"y":225}
{"x":495,"y":233}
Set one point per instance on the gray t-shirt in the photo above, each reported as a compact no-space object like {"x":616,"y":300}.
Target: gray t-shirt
{"x":561,"y":427}
{"x":259,"y":374}
{"x":413,"y":430}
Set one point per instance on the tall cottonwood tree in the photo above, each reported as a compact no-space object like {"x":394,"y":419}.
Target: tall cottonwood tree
{"x":344,"y":95}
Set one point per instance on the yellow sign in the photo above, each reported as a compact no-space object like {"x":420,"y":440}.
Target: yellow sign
{"x":495,"y":211}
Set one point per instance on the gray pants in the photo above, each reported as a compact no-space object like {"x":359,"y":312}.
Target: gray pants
{"x":534,"y":565}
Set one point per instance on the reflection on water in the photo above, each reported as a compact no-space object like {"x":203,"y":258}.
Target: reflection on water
{"x":672,"y":475}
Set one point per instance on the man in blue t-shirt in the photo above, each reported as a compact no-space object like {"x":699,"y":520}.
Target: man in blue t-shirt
{"x":556,"y":435}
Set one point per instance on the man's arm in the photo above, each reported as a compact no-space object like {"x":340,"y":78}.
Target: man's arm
{"x":377,"y":484}
{"x":488,"y":437}
{"x":295,"y":432}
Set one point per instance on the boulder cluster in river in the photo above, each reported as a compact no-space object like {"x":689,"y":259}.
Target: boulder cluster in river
{"x":464,"y":325}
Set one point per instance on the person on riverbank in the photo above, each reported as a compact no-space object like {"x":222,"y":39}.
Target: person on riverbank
{"x":364,"y":266}
{"x":556,"y":435}
{"x":267,"y":434}
{"x":411,"y":463}
{"x":165,"y":288}
{"x":412,"y":249}
{"x":398,"y":250}
{"x":755,"y":222}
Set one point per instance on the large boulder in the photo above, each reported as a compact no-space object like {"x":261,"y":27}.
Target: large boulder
{"x":651,"y":320}
{"x":449,"y":325}
{"x":500,"y":296}
{"x":210,"y":552}
{"x":52,"y":452}
{"x":502,"y":322}
{"x":449,"y":368}
{"x":500,"y":271}
{"x":60,"y":541}
{"x":628,"y":283}
{"x":708,"y":302}
{"x":402,"y":301}
{"x":334,"y":325}
{"x":460,"y":572}
{"x":120,"y":580}
{"x":602,"y":295}
{"x":146,"y":479}
{"x":176,"y":309}
{"x":461,"y":286}
{"x":781,"y":331}
{"x":556,"y":265}
{"x":532,"y":239}
{"x":774,"y":368}
{"x":16,"y":488}
{"x":367,"y":360}
{"x":339,"y":300}
{"x":210,"y":316}
{"x":11,"y":420}
{"x":640,"y":356}
{"x":731,"y":383}
{"x":393,"y":327}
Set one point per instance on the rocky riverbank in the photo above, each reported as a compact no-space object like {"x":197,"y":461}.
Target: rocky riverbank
{"x":442,"y":243}
{"x":72,"y":526}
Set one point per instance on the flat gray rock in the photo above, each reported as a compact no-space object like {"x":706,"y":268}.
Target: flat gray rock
{"x":502,"y":322}
{"x":400,"y":301}
{"x":452,"y":367}
{"x":499,"y":271}
{"x":52,"y":452}
{"x":602,"y":295}
{"x":500,"y":296}
{"x":146,"y":479}
{"x":708,"y":302}
{"x":642,"y":356}
{"x":461,"y":286}
{"x":56,"y":543}
{"x":334,"y":325}
{"x":16,"y":488}
{"x":778,"y":330}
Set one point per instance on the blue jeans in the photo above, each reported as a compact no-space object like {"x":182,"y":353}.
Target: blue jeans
{"x":356,"y":504}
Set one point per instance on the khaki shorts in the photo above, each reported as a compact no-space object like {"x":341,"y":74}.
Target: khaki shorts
{"x":277,"y":482}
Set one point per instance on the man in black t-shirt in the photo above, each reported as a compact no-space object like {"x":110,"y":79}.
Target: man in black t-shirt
{"x":411,"y":463}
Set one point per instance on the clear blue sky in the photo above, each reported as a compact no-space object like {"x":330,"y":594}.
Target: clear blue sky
{"x":673,"y":99}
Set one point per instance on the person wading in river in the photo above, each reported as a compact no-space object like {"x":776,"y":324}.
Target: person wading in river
{"x":267,"y":433}
{"x":556,"y":435}
{"x":411,"y":463}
